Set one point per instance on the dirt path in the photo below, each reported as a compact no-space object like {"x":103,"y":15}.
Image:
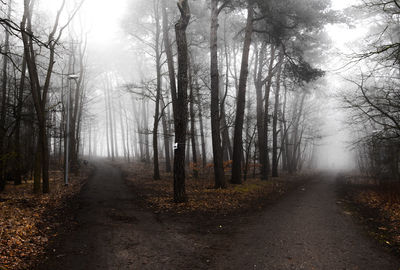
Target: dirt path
{"x":305,"y":230}
{"x":114,"y":234}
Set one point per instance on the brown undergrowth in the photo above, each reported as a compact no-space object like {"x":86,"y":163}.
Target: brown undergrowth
{"x":377,"y":207}
{"x":202,"y":197}
{"x":28,"y":222}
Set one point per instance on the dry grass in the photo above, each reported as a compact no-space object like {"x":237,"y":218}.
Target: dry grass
{"x":386,"y":201}
{"x":202,"y":197}
{"x":378,"y":207}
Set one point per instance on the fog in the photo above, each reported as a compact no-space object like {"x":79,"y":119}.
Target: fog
{"x":302,"y":90}
{"x":111,"y":51}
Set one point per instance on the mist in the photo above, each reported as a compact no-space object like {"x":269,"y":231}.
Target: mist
{"x":199,"y":134}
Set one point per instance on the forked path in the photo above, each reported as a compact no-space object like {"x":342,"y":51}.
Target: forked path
{"x":304,"y":230}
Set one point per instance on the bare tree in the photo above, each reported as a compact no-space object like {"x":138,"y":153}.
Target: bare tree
{"x":39,"y":92}
{"x":241,"y":101}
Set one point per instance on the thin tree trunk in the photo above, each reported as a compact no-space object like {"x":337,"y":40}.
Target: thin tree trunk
{"x":110,"y":120}
{"x":121,"y":121}
{"x":170,"y":61}
{"x":268,"y":84}
{"x":193,"y":125}
{"x":17,"y":167}
{"x":202,"y":136}
{"x":226,"y":142}
{"x":285,"y":129}
{"x":3,"y":112}
{"x":107,"y":127}
{"x":260,"y":54}
{"x":39,"y":92}
{"x":127,"y":139}
{"x":275,"y":118}
{"x":147,"y":133}
{"x":166,"y":139}
{"x":156,"y":172}
{"x":114,"y":125}
{"x":241,"y":102}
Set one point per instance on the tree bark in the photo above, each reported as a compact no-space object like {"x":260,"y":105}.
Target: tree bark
{"x":169,"y":54}
{"x":121,"y":122}
{"x":241,"y":102}
{"x":215,"y":114}
{"x":193,"y":125}
{"x":156,"y":172}
{"x":202,"y":136}
{"x":110,"y":119}
{"x":3,"y":101}
{"x":268,"y":84}
{"x":259,"y":63}
{"x":18,"y":159}
{"x":166,"y":139}
{"x":275,"y":118}
{"x":107,"y":126}
{"x":180,"y":107}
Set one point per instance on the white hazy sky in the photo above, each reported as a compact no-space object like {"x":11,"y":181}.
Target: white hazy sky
{"x":102,"y":18}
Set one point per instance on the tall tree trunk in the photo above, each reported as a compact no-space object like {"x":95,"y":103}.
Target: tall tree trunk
{"x":90,"y":139}
{"x":268,"y":84}
{"x":241,"y":102}
{"x":156,"y":172}
{"x":128,"y":144}
{"x":145,"y":127}
{"x":193,"y":125}
{"x":170,"y":61}
{"x":226,"y":141}
{"x":39,"y":92}
{"x":202,"y":136}
{"x":37,"y":169}
{"x":215,"y":114}
{"x":139,"y":128}
{"x":18,"y":160}
{"x":275,"y":118}
{"x":169,"y":54}
{"x":285,"y":129}
{"x":3,"y":101}
{"x":110,"y":120}
{"x":114,"y":124}
{"x":297,"y":138}
{"x":166,"y":139}
{"x":107,"y":127}
{"x":259,"y":63}
{"x":121,"y":121}
{"x":180,"y":107}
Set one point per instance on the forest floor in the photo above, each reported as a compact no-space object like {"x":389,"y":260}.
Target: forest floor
{"x":29,"y":221}
{"x":119,"y":227}
{"x":376,"y":208}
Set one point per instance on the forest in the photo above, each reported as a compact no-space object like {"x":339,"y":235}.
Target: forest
{"x":203,"y":114}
